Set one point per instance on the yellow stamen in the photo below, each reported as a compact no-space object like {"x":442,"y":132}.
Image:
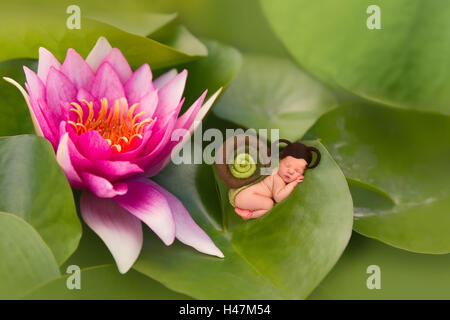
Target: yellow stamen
{"x":117,"y":125}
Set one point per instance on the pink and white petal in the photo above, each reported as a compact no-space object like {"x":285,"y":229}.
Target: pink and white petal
{"x":163,"y":79}
{"x":100,"y":51}
{"x":119,"y":230}
{"x":107,"y":84}
{"x":46,"y":123}
{"x":139,"y":84}
{"x":116,"y":59}
{"x":63,"y":159}
{"x":35,"y":86}
{"x":92,"y":145}
{"x":163,"y":120}
{"x":156,"y":144}
{"x":151,"y":207}
{"x":186,"y":120}
{"x":170,"y":94}
{"x":77,"y":70}
{"x":103,"y":188}
{"x":187,"y":231}
{"x":46,"y":61}
{"x":196,"y":122}
{"x":37,"y":127}
{"x":59,"y":90}
{"x":80,"y":162}
{"x":114,"y":170}
{"x":148,"y":103}
{"x":84,"y":94}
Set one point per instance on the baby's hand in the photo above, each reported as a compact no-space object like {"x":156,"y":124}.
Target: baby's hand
{"x":300,"y":179}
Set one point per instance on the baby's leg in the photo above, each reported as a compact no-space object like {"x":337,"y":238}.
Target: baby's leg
{"x":250,"y":204}
{"x":258,"y":213}
{"x":244,"y":213}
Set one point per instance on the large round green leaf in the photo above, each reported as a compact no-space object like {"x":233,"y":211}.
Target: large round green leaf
{"x":33,"y":186}
{"x":282,"y":255}
{"x":235,"y":22}
{"x":403,"y":275}
{"x":21,"y":38}
{"x":405,"y":63}
{"x":178,"y":37}
{"x":14,"y":114}
{"x":403,"y":156}
{"x":273,"y":93}
{"x":25,"y":261}
{"x":104,"y":283}
{"x":212,"y":72}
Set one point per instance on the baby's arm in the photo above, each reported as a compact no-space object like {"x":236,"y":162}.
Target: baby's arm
{"x":281,"y":190}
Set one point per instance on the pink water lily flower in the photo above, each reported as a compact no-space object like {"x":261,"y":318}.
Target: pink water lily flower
{"x":111,"y":129}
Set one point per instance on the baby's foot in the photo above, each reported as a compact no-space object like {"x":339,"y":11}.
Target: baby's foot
{"x":244,"y":213}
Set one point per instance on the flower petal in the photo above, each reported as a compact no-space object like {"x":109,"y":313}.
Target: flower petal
{"x":187,"y":231}
{"x":113,"y":170}
{"x":195,"y":123}
{"x":116,"y":59}
{"x":186,"y":120}
{"x":59,"y":91}
{"x":46,"y":61}
{"x":92,"y":145}
{"x":77,"y":70}
{"x":103,"y":188}
{"x":35,"y":84}
{"x":107,"y":84}
{"x":156,"y":144}
{"x":119,"y":230}
{"x":34,"y":116}
{"x":100,"y":51}
{"x":139,"y":84}
{"x":148,"y":103}
{"x":151,"y":207}
{"x":63,"y":159}
{"x":170,"y":95}
{"x":163,"y":79}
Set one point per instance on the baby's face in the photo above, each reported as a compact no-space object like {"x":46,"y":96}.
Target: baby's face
{"x":291,"y":168}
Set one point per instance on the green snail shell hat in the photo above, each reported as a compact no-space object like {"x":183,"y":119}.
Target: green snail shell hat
{"x":240,"y":158}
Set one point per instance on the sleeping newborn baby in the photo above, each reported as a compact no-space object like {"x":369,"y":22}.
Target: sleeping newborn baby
{"x":255,"y":200}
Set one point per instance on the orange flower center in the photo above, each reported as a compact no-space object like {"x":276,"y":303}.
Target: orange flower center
{"x":118,"y":129}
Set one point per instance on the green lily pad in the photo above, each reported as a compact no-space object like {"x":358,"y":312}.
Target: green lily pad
{"x":404,"y":64}
{"x":403,"y":275}
{"x":238,"y":23}
{"x":178,"y":37}
{"x":282,"y":255}
{"x":33,"y":186}
{"x":139,"y":23}
{"x":14,"y":114}
{"x":104,"y":283}
{"x":21,"y":38}
{"x":212,"y":72}
{"x":273,"y":93}
{"x":26,"y":261}
{"x":404,"y":155}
